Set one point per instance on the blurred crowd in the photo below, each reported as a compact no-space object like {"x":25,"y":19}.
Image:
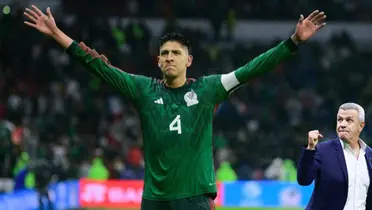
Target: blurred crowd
{"x":219,"y":10}
{"x":52,"y":109}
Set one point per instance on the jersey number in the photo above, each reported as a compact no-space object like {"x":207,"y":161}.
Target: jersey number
{"x":175,"y":125}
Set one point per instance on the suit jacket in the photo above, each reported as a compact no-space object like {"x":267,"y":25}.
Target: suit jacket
{"x":327,"y":166}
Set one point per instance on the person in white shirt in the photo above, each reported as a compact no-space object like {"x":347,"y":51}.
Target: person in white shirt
{"x":340,"y":167}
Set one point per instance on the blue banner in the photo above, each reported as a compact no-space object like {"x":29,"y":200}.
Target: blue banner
{"x":266,"y":194}
{"x":63,"y":196}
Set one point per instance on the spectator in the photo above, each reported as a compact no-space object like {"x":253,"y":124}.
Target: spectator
{"x":225,"y":173}
{"x":98,"y":171}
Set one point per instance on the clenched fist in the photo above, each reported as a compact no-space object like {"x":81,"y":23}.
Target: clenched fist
{"x":313,"y":139}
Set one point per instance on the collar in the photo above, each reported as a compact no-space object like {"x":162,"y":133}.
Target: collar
{"x":362,"y":144}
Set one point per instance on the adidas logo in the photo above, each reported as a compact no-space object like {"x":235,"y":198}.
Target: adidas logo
{"x":159,"y":101}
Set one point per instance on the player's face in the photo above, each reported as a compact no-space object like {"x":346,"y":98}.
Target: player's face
{"x":348,"y":125}
{"x":174,"y":59}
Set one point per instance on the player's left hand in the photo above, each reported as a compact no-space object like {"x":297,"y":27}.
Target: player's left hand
{"x":307,"y":27}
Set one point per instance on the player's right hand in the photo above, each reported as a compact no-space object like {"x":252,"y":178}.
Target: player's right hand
{"x":313,"y":139}
{"x":42,"y":22}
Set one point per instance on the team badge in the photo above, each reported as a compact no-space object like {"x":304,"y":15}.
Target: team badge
{"x":191,"y":98}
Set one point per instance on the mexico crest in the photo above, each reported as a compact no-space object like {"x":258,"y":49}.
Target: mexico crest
{"x":191,"y":98}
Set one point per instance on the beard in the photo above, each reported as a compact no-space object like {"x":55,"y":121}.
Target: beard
{"x":170,"y":73}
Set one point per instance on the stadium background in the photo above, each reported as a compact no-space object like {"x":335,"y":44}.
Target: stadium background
{"x":51,"y":109}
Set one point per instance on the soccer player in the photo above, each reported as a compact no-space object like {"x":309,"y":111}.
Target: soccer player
{"x":176,"y":113}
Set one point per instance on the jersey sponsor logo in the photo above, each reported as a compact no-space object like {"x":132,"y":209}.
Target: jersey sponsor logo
{"x":159,"y":101}
{"x":191,"y":98}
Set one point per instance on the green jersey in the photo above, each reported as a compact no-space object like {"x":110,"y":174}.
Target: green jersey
{"x":177,"y":122}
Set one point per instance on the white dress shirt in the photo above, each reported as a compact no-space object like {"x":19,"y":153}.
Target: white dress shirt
{"x":358,"y":176}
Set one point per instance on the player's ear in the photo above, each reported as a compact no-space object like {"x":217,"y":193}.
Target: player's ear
{"x":189,"y":61}
{"x":159,"y":65}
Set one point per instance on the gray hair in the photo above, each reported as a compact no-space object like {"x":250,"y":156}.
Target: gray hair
{"x":354,"y":106}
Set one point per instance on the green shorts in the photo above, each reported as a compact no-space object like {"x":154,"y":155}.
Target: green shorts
{"x":199,"y":202}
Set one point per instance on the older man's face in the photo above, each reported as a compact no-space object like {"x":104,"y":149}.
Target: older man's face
{"x":348,"y":125}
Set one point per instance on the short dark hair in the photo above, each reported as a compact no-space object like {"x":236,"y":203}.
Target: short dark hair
{"x":175,"y":37}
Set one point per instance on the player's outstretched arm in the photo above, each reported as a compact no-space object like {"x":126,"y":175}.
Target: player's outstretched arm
{"x":46,"y":24}
{"x":95,"y":63}
{"x":305,"y":29}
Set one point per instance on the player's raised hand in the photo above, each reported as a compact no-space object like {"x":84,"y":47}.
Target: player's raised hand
{"x":313,"y":139}
{"x":307,"y":27}
{"x":42,"y":22}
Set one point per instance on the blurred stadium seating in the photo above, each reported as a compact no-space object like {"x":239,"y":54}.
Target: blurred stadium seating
{"x":54,"y":106}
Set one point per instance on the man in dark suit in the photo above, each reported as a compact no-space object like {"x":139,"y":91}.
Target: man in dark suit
{"x":341,"y":167}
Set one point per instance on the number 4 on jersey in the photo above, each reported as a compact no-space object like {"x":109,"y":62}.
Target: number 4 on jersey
{"x":175,"y":125}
